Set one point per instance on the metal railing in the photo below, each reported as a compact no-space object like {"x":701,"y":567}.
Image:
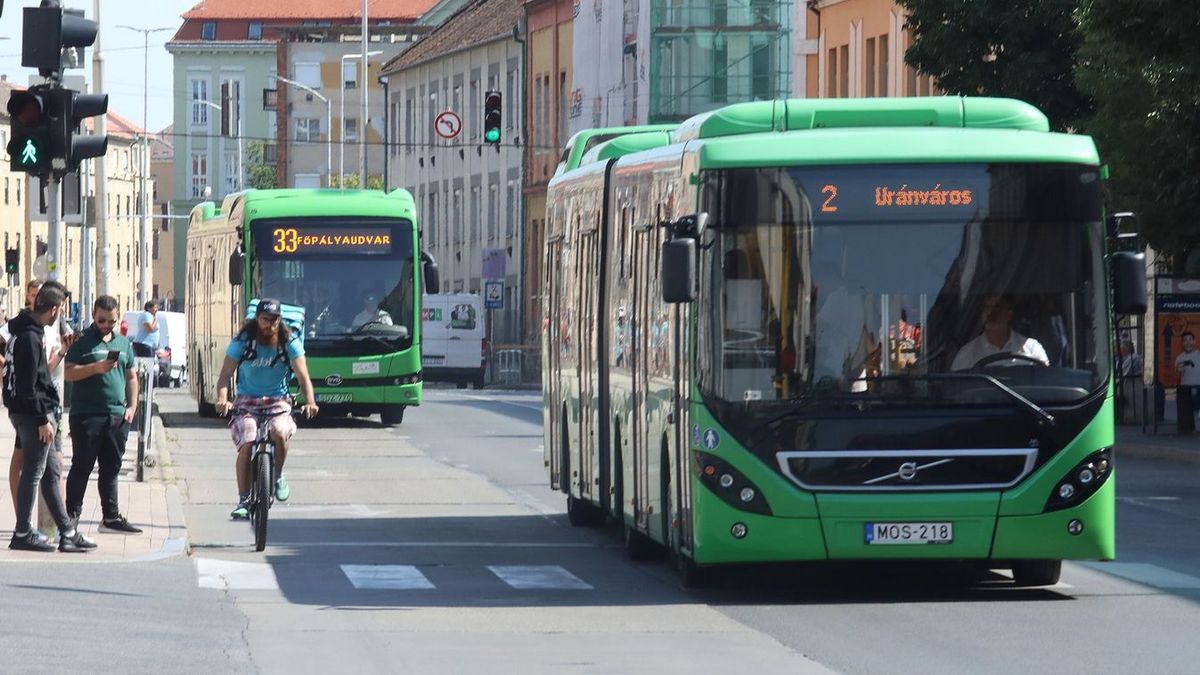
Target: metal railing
{"x":147,"y":371}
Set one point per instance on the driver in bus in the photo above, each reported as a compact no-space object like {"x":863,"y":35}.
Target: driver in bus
{"x":371,"y":312}
{"x":998,"y":337}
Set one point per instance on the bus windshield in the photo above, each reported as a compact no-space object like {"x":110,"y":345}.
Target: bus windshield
{"x":353,"y":276}
{"x":902,"y":284}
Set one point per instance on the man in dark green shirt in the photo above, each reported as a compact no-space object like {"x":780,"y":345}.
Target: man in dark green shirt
{"x":103,"y":401}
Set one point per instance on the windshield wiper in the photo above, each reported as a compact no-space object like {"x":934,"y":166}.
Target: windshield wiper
{"x":1044,"y":418}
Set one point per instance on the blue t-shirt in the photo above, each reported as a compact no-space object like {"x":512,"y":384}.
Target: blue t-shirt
{"x":146,"y":337}
{"x":258,"y":377}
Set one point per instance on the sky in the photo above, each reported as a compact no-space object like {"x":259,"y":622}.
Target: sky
{"x":123,"y":52}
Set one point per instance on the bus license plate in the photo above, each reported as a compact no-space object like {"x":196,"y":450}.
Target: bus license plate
{"x":335,"y":398}
{"x":909,"y":533}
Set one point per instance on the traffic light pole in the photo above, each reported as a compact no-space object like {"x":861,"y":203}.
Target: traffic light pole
{"x":54,"y":246}
{"x":101,"y":123}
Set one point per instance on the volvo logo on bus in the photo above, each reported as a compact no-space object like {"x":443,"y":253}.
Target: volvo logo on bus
{"x":334,"y":380}
{"x":907,"y":471}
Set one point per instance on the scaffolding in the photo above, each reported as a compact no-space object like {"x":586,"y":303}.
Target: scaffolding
{"x":708,"y":54}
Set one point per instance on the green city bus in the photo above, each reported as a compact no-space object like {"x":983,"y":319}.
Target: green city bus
{"x":341,"y":255}
{"x":838,"y":329}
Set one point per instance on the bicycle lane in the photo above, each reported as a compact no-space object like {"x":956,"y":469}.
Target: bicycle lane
{"x":386,"y":559}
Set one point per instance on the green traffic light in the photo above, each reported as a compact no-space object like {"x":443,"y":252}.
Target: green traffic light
{"x":29,"y":155}
{"x":492,"y":136}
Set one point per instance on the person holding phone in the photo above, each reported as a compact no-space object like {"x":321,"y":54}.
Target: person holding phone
{"x":103,"y":402}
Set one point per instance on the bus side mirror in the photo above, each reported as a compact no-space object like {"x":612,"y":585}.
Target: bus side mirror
{"x":432,"y":280}
{"x":679,"y":270}
{"x":237,"y":268}
{"x":1129,"y":282}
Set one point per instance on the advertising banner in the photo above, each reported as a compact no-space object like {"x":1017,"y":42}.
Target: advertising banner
{"x":1174,"y":316}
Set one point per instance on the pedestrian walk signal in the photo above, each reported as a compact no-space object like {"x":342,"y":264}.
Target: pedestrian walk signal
{"x":492,"y":117}
{"x":12,"y":260}
{"x":29,"y":131}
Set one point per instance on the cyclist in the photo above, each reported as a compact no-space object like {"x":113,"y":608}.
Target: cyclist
{"x":264,"y":353}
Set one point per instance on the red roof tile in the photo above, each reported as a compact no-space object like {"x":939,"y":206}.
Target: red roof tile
{"x":306,"y":9}
{"x":477,"y":22}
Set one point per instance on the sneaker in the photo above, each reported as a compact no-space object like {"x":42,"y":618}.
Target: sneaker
{"x":119,"y":524}
{"x":76,"y":543}
{"x":242,"y":512}
{"x":282,"y":491}
{"x":34,"y":541}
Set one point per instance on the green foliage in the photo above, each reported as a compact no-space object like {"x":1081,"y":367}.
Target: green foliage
{"x":259,"y":174}
{"x":1141,"y":62}
{"x":373,"y":182}
{"x":1022,"y":49}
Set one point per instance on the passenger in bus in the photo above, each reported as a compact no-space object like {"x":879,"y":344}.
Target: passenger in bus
{"x":998,"y":337}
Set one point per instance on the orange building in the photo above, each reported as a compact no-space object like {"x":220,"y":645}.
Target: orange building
{"x":860,"y":47}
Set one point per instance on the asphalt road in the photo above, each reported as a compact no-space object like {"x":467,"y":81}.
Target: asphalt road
{"x":436,"y":547}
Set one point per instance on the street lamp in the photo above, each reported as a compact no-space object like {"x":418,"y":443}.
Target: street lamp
{"x":362,"y":123}
{"x":144,"y":237}
{"x":240,"y":183}
{"x":328,"y":124}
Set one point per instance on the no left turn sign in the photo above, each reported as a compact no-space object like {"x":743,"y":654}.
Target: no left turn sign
{"x":448,"y":124}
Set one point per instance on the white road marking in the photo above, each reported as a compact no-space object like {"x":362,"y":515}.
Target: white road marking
{"x":529,"y":577}
{"x":389,"y":577}
{"x":235,"y":576}
{"x":1151,"y":575}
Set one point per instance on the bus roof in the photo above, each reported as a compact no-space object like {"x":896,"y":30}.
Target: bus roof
{"x":624,"y":145}
{"x":859,"y":113}
{"x":893,"y":146}
{"x":315,"y":202}
{"x":586,"y":139}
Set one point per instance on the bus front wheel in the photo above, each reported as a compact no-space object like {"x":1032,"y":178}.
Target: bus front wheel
{"x":393,"y":415}
{"x":1036,"y":572}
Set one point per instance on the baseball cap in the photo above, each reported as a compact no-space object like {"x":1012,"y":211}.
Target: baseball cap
{"x":268,"y":306}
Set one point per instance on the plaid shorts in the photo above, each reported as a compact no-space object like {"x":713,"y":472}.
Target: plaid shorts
{"x":244,"y":427}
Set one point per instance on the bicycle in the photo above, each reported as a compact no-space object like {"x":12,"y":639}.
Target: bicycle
{"x":262,"y":469}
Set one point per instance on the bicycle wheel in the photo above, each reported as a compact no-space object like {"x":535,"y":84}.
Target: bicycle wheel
{"x":262,"y":499}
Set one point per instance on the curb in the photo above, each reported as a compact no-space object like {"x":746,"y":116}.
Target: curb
{"x":1166,"y":453}
{"x":177,"y":543}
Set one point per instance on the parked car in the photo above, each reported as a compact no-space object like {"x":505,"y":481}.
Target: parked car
{"x":454,"y":342}
{"x":172,"y":344}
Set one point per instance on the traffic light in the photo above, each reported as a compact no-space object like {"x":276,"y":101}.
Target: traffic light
{"x":12,"y":260}
{"x":68,"y":110}
{"x":29,"y":151}
{"x":49,"y":31}
{"x":491,"y":117}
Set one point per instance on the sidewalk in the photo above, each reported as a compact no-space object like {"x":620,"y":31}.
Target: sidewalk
{"x":153,"y":505}
{"x":1166,"y":444}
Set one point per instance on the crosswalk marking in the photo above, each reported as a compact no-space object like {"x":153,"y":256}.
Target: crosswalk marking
{"x":527,"y":577}
{"x":234,"y":575}
{"x":391,"y":577}
{"x":1145,"y":573}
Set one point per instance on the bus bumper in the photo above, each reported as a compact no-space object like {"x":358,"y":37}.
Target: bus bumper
{"x":1045,"y":536}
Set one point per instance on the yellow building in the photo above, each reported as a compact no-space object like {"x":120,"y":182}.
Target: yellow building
{"x":860,"y":51}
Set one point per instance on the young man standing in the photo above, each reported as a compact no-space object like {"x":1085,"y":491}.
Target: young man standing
{"x":32,"y":402}
{"x":103,"y":402}
{"x":145,"y":342}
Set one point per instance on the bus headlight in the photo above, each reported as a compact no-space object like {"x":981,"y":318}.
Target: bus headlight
{"x":729,"y":484}
{"x":1081,"y":482}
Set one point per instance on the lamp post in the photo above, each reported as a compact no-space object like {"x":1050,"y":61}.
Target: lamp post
{"x":144,"y":207}
{"x":240,"y":169}
{"x":328,"y":125}
{"x":362,"y":128}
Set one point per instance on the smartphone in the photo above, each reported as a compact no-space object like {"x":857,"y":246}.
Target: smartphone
{"x":113,"y":355}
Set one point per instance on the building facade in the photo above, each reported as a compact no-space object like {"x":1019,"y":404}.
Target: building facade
{"x":549,"y":56}
{"x":162,"y":228}
{"x":468,"y":193}
{"x":327,"y":60}
{"x":859,"y":51}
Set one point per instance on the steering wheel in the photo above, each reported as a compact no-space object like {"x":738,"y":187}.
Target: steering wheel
{"x":1005,"y":356}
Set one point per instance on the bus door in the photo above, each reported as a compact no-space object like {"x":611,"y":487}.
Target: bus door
{"x":588,"y":290}
{"x":552,"y":416}
{"x":642,"y":317}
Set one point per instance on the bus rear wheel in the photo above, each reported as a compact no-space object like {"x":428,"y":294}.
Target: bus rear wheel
{"x":582,"y":513}
{"x":393,"y":415}
{"x":1028,"y":573}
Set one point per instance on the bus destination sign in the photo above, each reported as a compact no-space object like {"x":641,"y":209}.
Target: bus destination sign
{"x":299,"y":240}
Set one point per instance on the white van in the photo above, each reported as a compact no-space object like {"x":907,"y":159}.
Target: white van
{"x":172,"y":344}
{"x":454,"y":342}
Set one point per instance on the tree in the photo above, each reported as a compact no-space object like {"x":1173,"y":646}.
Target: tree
{"x":373,"y":182}
{"x":1023,"y":49}
{"x":1140,"y":61}
{"x":260,"y":175}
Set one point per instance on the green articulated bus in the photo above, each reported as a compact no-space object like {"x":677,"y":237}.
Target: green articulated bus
{"x":838,"y":329}
{"x":342,"y":255}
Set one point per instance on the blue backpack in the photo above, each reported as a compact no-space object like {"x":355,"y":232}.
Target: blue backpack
{"x":292,"y":316}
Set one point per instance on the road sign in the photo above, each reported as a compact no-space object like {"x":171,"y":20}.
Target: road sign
{"x":448,"y":125}
{"x":494,"y":263}
{"x":493,"y":295}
